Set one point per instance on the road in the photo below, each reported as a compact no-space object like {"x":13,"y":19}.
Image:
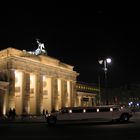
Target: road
{"x":95,"y":130}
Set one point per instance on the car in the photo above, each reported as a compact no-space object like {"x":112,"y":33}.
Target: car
{"x":98,"y":113}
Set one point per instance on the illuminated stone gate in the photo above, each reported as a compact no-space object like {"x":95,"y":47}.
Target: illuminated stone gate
{"x":35,"y":82}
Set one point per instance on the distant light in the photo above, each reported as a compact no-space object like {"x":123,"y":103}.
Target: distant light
{"x":97,"y":109}
{"x":111,"y":109}
{"x":84,"y":110}
{"x":130,"y":103}
{"x":108,"y":60}
{"x":121,"y":107}
{"x":138,"y":104}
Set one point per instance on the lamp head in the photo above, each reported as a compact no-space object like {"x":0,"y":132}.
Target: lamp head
{"x":108,"y":60}
{"x":100,"y":61}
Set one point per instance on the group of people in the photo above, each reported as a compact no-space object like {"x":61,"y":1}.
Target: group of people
{"x":12,"y":113}
{"x":44,"y":112}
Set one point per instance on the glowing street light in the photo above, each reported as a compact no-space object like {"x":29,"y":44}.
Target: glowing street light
{"x":105,"y":62}
{"x":108,"y":60}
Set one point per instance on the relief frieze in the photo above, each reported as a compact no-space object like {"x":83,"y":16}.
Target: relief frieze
{"x":32,"y":67}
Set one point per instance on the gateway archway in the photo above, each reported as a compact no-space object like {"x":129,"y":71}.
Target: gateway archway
{"x":3,"y":97}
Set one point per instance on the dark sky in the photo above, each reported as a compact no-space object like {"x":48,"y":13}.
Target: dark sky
{"x":79,"y":35}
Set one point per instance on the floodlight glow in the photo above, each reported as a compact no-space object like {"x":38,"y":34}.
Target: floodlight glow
{"x":108,"y":60}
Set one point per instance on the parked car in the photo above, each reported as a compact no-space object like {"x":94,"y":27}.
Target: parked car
{"x":98,"y":113}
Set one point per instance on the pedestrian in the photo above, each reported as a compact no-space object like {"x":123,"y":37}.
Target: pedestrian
{"x":10,"y":113}
{"x":46,"y":112}
{"x":13,"y":113}
{"x":43,"y":112}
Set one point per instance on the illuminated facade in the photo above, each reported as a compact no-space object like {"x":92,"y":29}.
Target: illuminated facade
{"x":87,"y":94}
{"x":33,"y":83}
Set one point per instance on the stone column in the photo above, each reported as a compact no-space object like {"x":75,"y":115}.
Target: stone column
{"x":39,"y":94}
{"x":5,"y":102}
{"x":73,"y":94}
{"x":79,"y":100}
{"x":1,"y":101}
{"x":59,"y":84}
{"x":26,"y":93}
{"x":47,"y":93}
{"x":94,"y":101}
{"x":68,"y":97}
{"x":62,"y":93}
{"x":23,"y":92}
{"x":11,"y":100}
{"x":90,"y":101}
{"x":54,"y":93}
{"x":33,"y":94}
{"x":18,"y":92}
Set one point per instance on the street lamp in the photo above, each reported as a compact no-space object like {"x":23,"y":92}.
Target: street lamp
{"x":105,"y":62}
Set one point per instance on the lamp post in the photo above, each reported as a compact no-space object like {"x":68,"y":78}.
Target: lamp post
{"x":99,"y":86}
{"x":105,"y":61}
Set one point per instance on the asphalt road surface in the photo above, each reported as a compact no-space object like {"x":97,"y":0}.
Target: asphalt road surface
{"x":94,"y":130}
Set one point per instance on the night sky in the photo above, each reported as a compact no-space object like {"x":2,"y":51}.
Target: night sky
{"x":79,"y":35}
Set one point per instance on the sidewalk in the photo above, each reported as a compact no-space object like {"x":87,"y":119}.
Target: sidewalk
{"x":24,"y":119}
{"x":136,"y":115}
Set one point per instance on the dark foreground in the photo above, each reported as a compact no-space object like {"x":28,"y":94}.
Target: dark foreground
{"x":94,"y":130}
